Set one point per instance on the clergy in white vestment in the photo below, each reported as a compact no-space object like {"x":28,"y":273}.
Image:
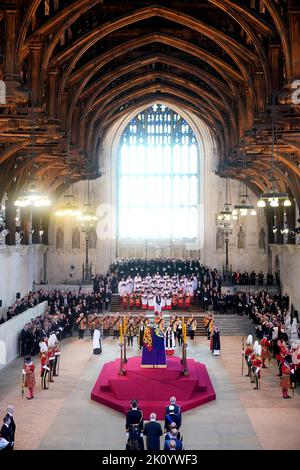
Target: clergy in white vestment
{"x":97,"y":342}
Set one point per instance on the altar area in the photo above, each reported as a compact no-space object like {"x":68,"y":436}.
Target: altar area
{"x":153,"y":387}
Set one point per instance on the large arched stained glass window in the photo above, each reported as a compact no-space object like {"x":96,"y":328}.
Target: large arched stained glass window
{"x":158,"y":177}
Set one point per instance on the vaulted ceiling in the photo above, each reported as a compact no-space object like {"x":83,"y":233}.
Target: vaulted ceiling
{"x":74,"y":67}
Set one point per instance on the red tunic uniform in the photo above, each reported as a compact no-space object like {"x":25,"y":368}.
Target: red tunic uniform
{"x":285,"y":382}
{"x":44,"y":361}
{"x":187,"y":301}
{"x":138,"y":301}
{"x":29,"y":376}
{"x":131,"y":301}
{"x":180,"y":301}
{"x":257,"y":362}
{"x":265,"y":351}
{"x":125,"y":301}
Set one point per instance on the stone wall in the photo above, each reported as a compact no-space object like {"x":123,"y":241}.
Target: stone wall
{"x":286,"y":259}
{"x":20,"y":266}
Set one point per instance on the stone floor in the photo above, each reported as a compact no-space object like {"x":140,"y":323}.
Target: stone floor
{"x":64,"y":417}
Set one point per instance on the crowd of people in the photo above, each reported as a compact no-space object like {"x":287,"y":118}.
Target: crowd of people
{"x":252,"y":279}
{"x":152,"y":430}
{"x":29,"y":301}
{"x":125,"y":268}
{"x":277,"y":331}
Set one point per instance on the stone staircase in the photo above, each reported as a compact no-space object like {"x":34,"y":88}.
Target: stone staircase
{"x":234,"y":325}
{"x":229,"y":325}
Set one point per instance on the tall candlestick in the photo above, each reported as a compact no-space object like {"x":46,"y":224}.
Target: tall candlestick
{"x":121,"y":335}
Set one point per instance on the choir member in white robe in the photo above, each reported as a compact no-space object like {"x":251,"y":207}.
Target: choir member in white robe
{"x":190,"y":289}
{"x":144,"y":301}
{"x":129,"y":285}
{"x":151,"y":301}
{"x":122,"y":287}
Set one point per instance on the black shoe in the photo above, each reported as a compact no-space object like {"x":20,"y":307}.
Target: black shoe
{"x":30,"y":398}
{"x":255,"y":388}
{"x":288,"y":396}
{"x":247,"y":375}
{"x":51,"y":380}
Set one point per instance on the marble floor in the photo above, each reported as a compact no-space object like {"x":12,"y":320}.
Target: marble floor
{"x":64,"y":417}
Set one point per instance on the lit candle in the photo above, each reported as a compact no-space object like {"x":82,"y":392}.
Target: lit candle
{"x":124,"y":325}
{"x":121,"y":336}
{"x":183,"y":331}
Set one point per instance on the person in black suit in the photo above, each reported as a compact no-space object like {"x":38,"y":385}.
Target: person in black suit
{"x":6,"y":431}
{"x":153,"y":431}
{"x":134,"y":417}
{"x":12,"y":426}
{"x":172,"y":414}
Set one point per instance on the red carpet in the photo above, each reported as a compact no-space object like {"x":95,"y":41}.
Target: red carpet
{"x":153,"y":387}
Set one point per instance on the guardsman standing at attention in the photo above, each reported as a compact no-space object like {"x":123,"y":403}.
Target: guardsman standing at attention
{"x":29,"y":376}
{"x":134,"y":417}
{"x":287,"y":369}
{"x":256,"y":367}
{"x":265,"y":353}
{"x":51,"y":358}
{"x":248,"y":352}
{"x":44,"y":364}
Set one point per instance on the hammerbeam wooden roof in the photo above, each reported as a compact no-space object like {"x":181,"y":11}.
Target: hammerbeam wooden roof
{"x":72,"y":68}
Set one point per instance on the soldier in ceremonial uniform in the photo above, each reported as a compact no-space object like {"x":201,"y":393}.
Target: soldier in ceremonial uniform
{"x":56,"y":351}
{"x":106,"y":325}
{"x":265,"y":353}
{"x":44,"y":365}
{"x":130,"y":332}
{"x":28,"y":371}
{"x":51,"y":357}
{"x":287,"y":369}
{"x":116,"y":326}
{"x":192,"y":326}
{"x":250,"y":358}
{"x":81,"y":322}
{"x":134,"y":417}
{"x":172,"y":414}
{"x":248,"y":352}
{"x":256,"y":362}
